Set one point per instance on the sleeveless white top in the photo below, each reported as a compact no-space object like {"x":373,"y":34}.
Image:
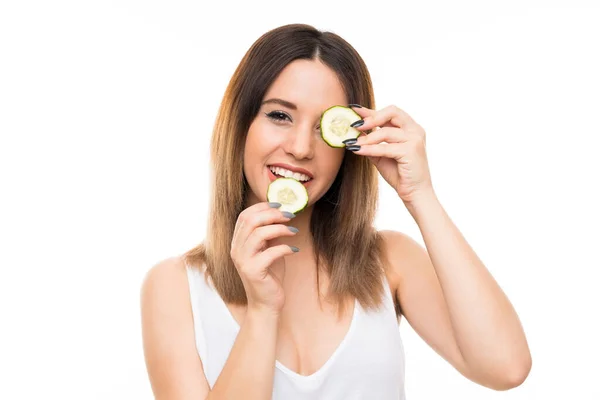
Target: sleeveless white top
{"x":367,"y":364}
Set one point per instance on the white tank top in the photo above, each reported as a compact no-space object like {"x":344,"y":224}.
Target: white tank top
{"x":367,"y":364}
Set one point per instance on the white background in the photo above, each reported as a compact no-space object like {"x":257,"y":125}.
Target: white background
{"x":106,"y":111}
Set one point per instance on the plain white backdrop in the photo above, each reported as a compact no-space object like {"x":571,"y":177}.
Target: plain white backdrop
{"x":106,"y":112}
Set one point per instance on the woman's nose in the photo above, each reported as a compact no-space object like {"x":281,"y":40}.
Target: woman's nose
{"x":301,"y":143}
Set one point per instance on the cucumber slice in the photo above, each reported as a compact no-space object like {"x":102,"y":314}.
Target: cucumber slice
{"x":335,"y":125}
{"x":289,"y":192}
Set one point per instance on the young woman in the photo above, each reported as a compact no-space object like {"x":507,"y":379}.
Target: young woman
{"x":307,"y":306}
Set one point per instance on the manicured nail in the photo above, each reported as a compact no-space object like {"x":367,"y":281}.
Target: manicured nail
{"x":274,"y":205}
{"x":294,"y":249}
{"x":288,"y":214}
{"x":353,"y":148}
{"x":355,"y":105}
{"x":348,"y":142}
{"x":291,"y":228}
{"x":357,"y":123}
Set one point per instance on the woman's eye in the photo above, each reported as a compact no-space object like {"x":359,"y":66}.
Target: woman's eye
{"x":278,"y":116}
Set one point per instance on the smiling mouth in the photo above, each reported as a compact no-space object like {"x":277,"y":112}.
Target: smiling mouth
{"x":278,"y":172}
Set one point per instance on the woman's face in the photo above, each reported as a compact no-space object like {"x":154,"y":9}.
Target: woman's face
{"x":286,"y":131}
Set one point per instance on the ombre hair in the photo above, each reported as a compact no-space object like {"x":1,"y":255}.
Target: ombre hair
{"x":346,"y":245}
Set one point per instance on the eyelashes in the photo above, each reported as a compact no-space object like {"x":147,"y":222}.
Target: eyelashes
{"x":280,"y":117}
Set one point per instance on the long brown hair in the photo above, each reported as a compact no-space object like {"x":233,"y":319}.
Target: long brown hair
{"x":345,"y":242}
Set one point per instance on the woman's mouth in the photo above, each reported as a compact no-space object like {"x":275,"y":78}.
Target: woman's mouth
{"x":278,"y":172}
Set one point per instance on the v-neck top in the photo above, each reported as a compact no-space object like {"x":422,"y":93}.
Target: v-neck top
{"x":367,"y":364}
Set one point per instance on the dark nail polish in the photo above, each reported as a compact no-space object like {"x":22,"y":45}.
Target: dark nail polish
{"x":353,"y":148}
{"x":288,"y":214}
{"x":355,"y":105}
{"x":358,"y":123}
{"x":348,"y":142}
{"x":274,"y":205}
{"x":291,"y":228}
{"x":294,"y":249}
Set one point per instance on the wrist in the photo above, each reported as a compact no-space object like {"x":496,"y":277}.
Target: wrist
{"x":262,"y":314}
{"x":421,"y":202}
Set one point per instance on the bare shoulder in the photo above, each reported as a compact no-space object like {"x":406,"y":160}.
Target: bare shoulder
{"x":402,"y":253}
{"x":172,"y":269}
{"x":401,"y":247}
{"x":166,"y":275}
{"x":164,"y":291}
{"x":173,"y":364}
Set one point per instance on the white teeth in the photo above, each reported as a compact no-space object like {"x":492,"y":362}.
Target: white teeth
{"x":289,"y":174}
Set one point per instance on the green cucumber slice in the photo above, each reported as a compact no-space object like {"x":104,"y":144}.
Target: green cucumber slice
{"x":335,"y":125}
{"x":292,"y":194}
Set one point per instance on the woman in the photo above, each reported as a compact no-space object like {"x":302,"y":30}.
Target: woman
{"x":307,"y":306}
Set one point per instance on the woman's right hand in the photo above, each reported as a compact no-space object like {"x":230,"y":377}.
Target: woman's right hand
{"x":254,"y":258}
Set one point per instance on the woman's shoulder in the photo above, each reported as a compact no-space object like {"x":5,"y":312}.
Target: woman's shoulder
{"x":400,"y":248}
{"x":168,"y":331}
{"x":166,"y":283}
{"x":166,"y":272}
{"x":401,"y":253}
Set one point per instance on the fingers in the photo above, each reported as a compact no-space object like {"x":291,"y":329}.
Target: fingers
{"x":254,"y":216}
{"x":257,"y":241}
{"x":255,"y":226}
{"x":271,"y":254}
{"x":388,"y":135}
{"x":389,"y":150}
{"x":390,"y":116}
{"x":362,"y":111}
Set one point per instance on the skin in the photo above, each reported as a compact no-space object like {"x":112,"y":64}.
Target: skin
{"x":294,"y":138}
{"x":448,"y":296}
{"x":446,"y":293}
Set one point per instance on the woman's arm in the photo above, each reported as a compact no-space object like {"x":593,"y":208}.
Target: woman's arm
{"x":172,"y":361}
{"x":453,"y":302}
{"x":174,"y":367}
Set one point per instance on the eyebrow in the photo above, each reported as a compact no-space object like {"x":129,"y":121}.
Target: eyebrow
{"x":282,"y":102}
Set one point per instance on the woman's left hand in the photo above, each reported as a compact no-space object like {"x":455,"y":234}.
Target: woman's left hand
{"x":401,"y":160}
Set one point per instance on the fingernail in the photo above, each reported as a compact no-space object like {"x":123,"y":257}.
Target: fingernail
{"x":294,"y":249}
{"x":288,"y":214}
{"x":355,"y":105}
{"x":274,"y":205}
{"x":349,"y":141}
{"x":357,"y":123}
{"x":291,"y":228}
{"x":353,"y":148}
